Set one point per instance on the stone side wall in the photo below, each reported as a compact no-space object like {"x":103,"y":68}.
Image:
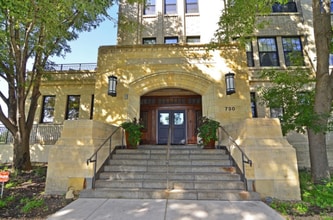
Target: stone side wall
{"x":274,"y":172}
{"x":301,"y":144}
{"x":67,"y":159}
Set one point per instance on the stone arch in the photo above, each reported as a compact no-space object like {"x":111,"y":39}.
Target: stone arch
{"x":159,"y":80}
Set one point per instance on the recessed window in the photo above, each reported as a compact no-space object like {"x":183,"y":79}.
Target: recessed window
{"x":287,"y":8}
{"x":292,"y":49}
{"x":276,"y":112}
{"x":150,"y":7}
{"x":254,"y":105}
{"x":48,"y":109}
{"x":170,"y":6}
{"x":151,"y":40}
{"x":249,"y":53}
{"x":192,"y":6}
{"x":268,"y":53}
{"x":171,"y":40}
{"x":73,"y":107}
{"x":331,"y":59}
{"x":193,"y":39}
{"x":321,"y":5}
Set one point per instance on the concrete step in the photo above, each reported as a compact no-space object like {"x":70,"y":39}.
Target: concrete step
{"x":154,"y":162}
{"x":171,"y":156}
{"x":171,"y":151}
{"x":170,"y":184}
{"x":163,"y":176}
{"x":170,"y":169}
{"x":189,"y":173}
{"x":225,"y":195}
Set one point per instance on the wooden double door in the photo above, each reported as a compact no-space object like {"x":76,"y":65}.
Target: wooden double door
{"x":174,"y":118}
{"x":171,"y":125}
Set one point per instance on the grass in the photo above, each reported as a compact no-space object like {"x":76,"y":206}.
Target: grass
{"x":29,"y":204}
{"x":316,"y":199}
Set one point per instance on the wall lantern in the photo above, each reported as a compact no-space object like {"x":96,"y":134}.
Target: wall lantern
{"x":230,"y":83}
{"x":112,"y":90}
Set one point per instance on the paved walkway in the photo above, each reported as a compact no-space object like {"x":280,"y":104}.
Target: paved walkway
{"x":144,"y":209}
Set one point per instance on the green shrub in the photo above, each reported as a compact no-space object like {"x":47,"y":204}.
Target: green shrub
{"x":4,"y":202}
{"x":30,"y":204}
{"x":316,"y":199}
{"x":316,"y":195}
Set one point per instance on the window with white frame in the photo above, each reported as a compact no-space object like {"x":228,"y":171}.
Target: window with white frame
{"x":268,"y":53}
{"x":73,"y":107}
{"x":193,"y":39}
{"x":171,"y":40}
{"x":249,"y":53}
{"x":170,"y":6}
{"x":48,"y":109}
{"x":192,"y":6}
{"x":150,"y":40}
{"x":150,"y":7}
{"x":292,"y":49}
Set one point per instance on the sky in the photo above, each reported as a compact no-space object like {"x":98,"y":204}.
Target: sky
{"x":85,"y":48}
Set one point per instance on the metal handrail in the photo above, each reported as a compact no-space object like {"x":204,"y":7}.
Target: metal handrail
{"x":245,"y":158}
{"x":93,"y":158}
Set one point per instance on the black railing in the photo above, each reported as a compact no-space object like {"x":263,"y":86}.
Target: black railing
{"x":71,"y":67}
{"x":93,"y":158}
{"x":40,"y":134}
{"x":245,"y":158}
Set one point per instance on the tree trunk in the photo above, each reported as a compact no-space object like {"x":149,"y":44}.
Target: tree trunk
{"x":323,"y":97}
{"x":21,"y":156}
{"x":318,"y":157}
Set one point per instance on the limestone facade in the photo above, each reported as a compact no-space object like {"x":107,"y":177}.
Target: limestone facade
{"x":152,"y":69}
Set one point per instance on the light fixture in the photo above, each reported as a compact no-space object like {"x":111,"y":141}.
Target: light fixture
{"x":230,"y":83}
{"x":112,"y":90}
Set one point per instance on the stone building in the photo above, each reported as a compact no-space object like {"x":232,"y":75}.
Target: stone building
{"x":163,"y":70}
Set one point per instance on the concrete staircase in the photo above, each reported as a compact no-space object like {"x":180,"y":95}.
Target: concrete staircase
{"x":186,"y":172}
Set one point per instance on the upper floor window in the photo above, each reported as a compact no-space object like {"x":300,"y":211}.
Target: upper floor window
{"x":150,"y":40}
{"x":171,"y":40}
{"x":290,"y":6}
{"x":48,"y":109}
{"x":321,"y":5}
{"x":331,"y":59}
{"x":150,"y":7}
{"x":268,"y":53}
{"x":249,"y":53}
{"x":193,"y":39}
{"x":292,"y":48}
{"x":73,"y":107}
{"x":192,"y":6}
{"x":254,"y":105}
{"x":276,"y":113}
{"x":170,"y":6}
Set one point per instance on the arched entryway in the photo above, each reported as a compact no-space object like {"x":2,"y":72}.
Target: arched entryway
{"x":170,"y":112}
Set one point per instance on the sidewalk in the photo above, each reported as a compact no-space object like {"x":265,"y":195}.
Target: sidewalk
{"x":144,"y":209}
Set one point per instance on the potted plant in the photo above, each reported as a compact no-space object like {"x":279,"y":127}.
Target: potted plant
{"x":207,"y":132}
{"x":132,"y":132}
